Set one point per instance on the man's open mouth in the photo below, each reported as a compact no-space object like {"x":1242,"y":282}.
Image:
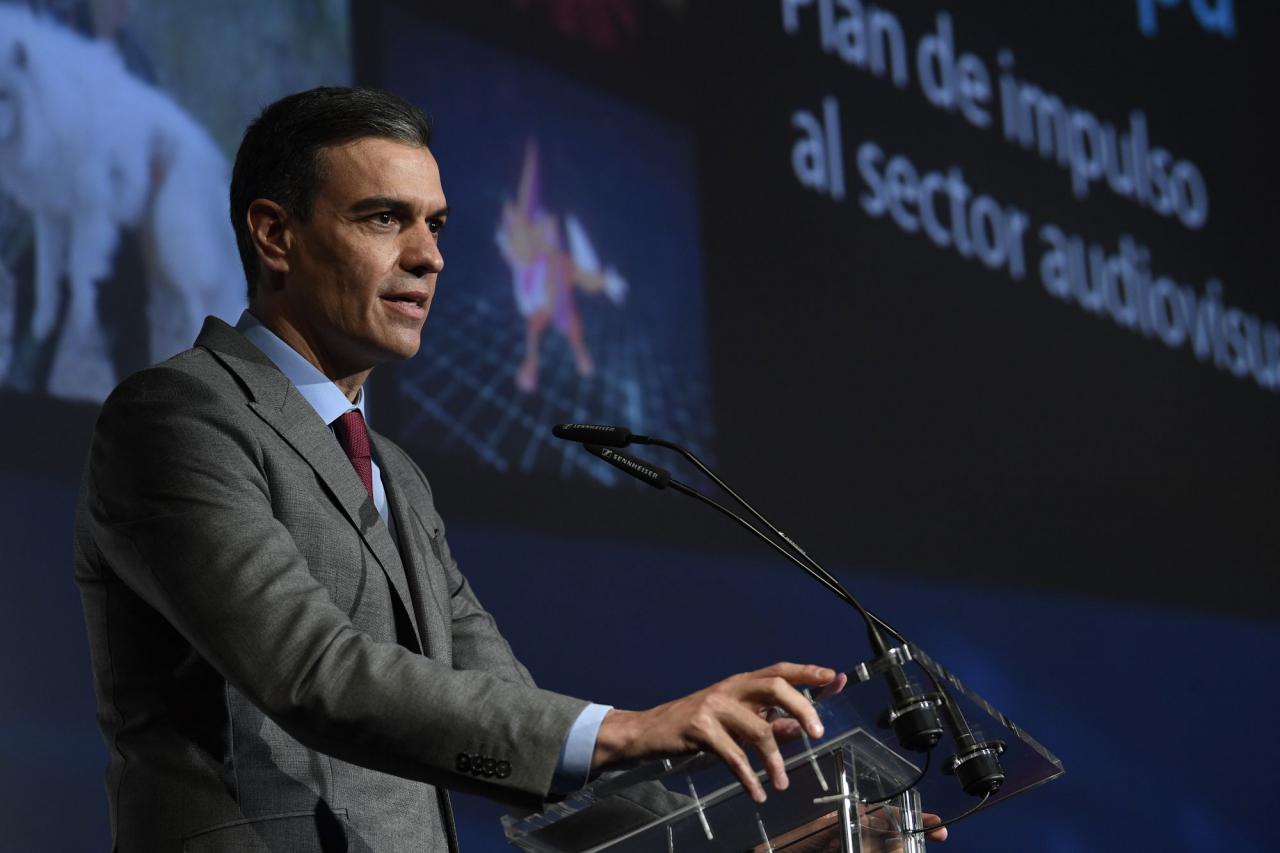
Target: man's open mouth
{"x":418,"y":299}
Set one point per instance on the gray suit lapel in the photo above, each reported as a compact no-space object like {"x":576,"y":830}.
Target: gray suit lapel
{"x":276,"y":401}
{"x":417,"y":554}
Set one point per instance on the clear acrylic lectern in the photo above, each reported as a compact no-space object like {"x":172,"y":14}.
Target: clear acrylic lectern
{"x":854,"y":789}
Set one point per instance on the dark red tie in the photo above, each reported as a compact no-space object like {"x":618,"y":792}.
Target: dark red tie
{"x":354,"y":438}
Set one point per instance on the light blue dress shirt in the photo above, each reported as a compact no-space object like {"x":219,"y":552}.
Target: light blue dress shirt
{"x":316,"y":388}
{"x":330,"y":404}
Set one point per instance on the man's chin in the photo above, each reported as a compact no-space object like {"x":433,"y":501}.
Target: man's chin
{"x":389,"y":345}
{"x":404,"y":348}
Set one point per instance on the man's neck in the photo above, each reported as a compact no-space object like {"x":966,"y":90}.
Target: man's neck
{"x":348,"y":381}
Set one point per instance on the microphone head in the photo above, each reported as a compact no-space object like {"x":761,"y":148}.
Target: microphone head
{"x":651,"y":474}
{"x":598,"y":434}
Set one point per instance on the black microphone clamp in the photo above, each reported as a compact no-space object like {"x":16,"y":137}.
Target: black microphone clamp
{"x":977,"y":765}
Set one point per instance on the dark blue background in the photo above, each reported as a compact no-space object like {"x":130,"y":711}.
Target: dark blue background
{"x":1161,"y":716}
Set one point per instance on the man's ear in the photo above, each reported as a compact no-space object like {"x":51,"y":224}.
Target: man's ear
{"x":271,"y":237}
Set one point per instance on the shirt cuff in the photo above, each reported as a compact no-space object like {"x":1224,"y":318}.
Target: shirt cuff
{"x":574,"y":767}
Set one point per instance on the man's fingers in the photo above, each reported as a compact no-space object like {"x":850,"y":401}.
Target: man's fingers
{"x":775,"y":690}
{"x":731,"y":754}
{"x":785,"y":729}
{"x":836,"y":685}
{"x":750,"y":727}
{"x":798,"y":673}
{"x":717,"y":717}
{"x":931,"y":819}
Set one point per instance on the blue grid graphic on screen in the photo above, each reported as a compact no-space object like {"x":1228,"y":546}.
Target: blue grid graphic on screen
{"x":572,"y":289}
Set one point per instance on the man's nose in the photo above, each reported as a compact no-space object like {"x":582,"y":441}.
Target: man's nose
{"x":422,"y":255}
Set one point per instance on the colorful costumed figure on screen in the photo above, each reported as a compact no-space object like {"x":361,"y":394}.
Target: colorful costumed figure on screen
{"x":544,"y":272}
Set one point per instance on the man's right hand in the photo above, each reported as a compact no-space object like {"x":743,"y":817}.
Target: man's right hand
{"x":720,"y":718}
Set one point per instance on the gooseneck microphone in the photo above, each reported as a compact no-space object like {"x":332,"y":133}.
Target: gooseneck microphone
{"x":660,"y":478}
{"x":598,"y":435}
{"x":913,"y":715}
{"x":651,"y":474}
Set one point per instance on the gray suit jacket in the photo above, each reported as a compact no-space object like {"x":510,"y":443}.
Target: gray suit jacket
{"x":271,"y":671}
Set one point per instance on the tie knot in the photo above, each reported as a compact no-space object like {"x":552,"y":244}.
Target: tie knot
{"x":353,"y":435}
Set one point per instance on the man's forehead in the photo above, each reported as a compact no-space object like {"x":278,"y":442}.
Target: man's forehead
{"x":373,"y":146}
{"x":379,"y":166}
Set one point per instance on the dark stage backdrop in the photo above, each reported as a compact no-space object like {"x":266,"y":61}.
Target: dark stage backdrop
{"x":978,"y":299}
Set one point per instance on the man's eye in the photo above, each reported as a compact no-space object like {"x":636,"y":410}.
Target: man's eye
{"x":384,"y":218}
{"x":436,"y":225}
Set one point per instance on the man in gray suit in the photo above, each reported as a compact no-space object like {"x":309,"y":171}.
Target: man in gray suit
{"x":286,"y":656}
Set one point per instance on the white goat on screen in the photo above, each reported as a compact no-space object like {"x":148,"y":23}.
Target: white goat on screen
{"x":89,"y":149}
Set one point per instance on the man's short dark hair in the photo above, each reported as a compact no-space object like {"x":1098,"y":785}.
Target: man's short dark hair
{"x":282,"y":154}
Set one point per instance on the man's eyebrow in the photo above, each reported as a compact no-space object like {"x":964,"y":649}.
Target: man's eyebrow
{"x":396,"y":205}
{"x":380,"y":202}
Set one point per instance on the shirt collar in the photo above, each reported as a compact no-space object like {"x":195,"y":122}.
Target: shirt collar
{"x":316,"y":388}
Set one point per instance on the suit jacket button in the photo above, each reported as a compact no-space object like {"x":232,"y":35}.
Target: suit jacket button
{"x":477,"y":764}
{"x":464,"y":762}
{"x":490,"y":765}
{"x":503,"y":770}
